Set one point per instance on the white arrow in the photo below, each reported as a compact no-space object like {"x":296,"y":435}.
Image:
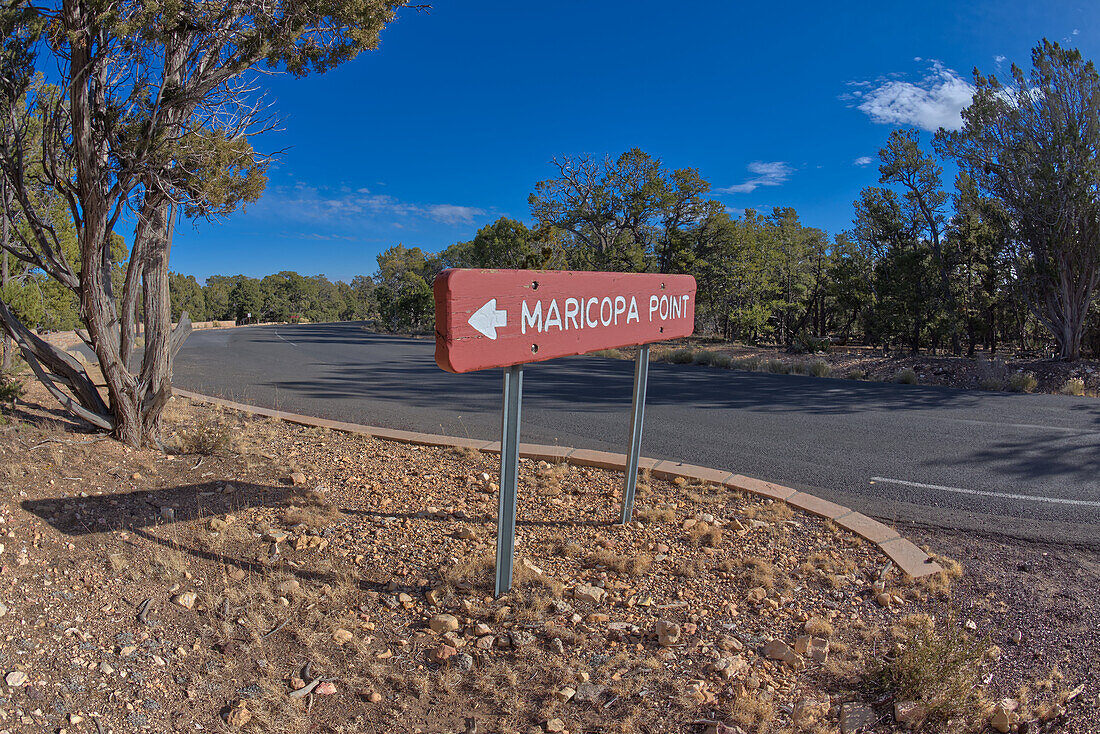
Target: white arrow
{"x":487,"y":318}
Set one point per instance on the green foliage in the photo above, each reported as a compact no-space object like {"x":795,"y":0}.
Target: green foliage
{"x":939,"y":667}
{"x":1032,"y":146}
{"x":713,"y":359}
{"x":819,"y":368}
{"x":685,"y":355}
{"x":905,"y":376}
{"x":1022,"y":382}
{"x":805,"y":343}
{"x":1073,"y":386}
{"x":11,"y":388}
{"x":776,"y":366}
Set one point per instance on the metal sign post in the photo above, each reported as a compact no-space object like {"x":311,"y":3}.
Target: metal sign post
{"x":486,"y":319}
{"x":637,"y":416}
{"x":509,"y":476}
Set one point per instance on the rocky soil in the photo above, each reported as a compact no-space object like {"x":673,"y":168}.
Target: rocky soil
{"x":265,"y":577}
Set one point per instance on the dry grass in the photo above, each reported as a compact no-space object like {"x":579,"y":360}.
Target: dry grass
{"x":656,"y":514}
{"x":628,"y":565}
{"x":209,"y":436}
{"x":1073,"y":386}
{"x":702,"y":533}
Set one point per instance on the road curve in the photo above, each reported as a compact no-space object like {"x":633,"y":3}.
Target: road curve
{"x":1021,"y":465}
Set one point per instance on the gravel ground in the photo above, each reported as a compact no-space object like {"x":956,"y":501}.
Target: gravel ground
{"x":266,"y":577}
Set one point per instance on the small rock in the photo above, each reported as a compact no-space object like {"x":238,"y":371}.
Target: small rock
{"x":434,"y":597}
{"x":668,"y":633}
{"x":239,"y":715}
{"x":779,"y":650}
{"x":814,"y":648}
{"x":106,"y":668}
{"x":908,"y":712}
{"x":885,"y":600}
{"x":297,"y":478}
{"x":289,"y":587}
{"x":342,"y":637}
{"x":481,"y":629}
{"x":15,"y":678}
{"x":521,"y":638}
{"x":1017,"y":636}
{"x":463,"y":662}
{"x":168,"y":514}
{"x":3,"y":609}
{"x":217,"y":525}
{"x":374,"y":697}
{"x":556,"y":645}
{"x":730,"y":644}
{"x":555,"y":725}
{"x":187,"y":599}
{"x":565,"y":694}
{"x":442,"y":623}
{"x":856,"y":717}
{"x":1003,"y":718}
{"x":758,"y":594}
{"x":442,"y":654}
{"x":592,"y":594}
{"x":325,"y":688}
{"x":465,"y":533}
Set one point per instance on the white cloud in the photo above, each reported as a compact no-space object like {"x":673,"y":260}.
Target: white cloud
{"x":454,"y":214}
{"x":344,"y":205}
{"x":863,"y":160}
{"x":768,"y":173}
{"x":935,"y":101}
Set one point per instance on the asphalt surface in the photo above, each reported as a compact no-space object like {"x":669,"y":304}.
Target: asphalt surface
{"x":1019,"y":465}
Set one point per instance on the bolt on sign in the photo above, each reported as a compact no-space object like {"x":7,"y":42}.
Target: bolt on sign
{"x":486,"y":319}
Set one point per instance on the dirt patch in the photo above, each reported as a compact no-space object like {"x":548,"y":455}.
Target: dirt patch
{"x":279,"y":578}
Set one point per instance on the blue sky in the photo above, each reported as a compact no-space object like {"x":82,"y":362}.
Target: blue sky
{"x":454,"y":119}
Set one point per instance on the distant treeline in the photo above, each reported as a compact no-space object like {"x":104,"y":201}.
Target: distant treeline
{"x":1007,"y":257}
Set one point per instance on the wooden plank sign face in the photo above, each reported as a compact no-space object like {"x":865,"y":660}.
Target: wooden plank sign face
{"x":499,"y":318}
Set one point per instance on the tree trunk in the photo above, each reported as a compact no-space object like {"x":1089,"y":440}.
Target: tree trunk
{"x":5,"y":360}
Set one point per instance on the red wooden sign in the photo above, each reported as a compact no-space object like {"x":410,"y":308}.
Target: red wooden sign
{"x":499,"y":318}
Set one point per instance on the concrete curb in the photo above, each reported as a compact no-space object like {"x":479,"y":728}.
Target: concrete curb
{"x":907,"y":556}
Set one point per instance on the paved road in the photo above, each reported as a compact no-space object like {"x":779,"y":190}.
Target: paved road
{"x":1025,"y":465}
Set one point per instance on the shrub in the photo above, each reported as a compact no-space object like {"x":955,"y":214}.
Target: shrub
{"x":804,"y":343}
{"x":11,"y":389}
{"x":776,"y":366}
{"x":609,"y":353}
{"x":685,"y":355}
{"x":1023,"y":382}
{"x":749,"y":364}
{"x":856,"y":375}
{"x":994,"y":384}
{"x":819,"y":368}
{"x":208,"y":437}
{"x":906,"y":376}
{"x":713,"y":359}
{"x":682,"y":356}
{"x":799,"y":368}
{"x":939,"y":668}
{"x":1073,"y":386}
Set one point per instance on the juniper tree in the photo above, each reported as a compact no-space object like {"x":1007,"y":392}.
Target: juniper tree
{"x":152,"y":111}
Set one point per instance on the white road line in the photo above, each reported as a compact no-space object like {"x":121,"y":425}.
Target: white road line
{"x":284,"y":338}
{"x":1001,"y":495}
